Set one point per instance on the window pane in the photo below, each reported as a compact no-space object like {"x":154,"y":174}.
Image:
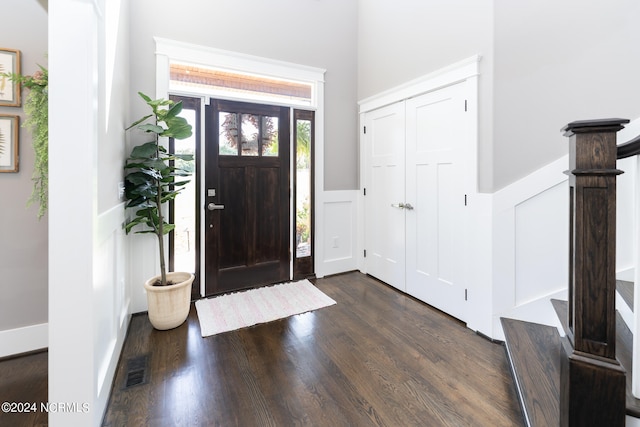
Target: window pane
{"x":184,"y":255}
{"x":228,"y":129}
{"x":270,"y":136}
{"x":303,"y":188}
{"x":223,"y":84}
{"x":250,"y":135}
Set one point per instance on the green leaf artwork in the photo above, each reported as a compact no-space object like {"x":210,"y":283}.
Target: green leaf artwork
{"x":3,"y":79}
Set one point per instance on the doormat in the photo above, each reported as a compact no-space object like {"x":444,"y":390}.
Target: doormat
{"x":239,"y":310}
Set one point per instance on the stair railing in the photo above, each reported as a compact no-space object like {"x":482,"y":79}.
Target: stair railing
{"x":629,"y":148}
{"x":592,"y":383}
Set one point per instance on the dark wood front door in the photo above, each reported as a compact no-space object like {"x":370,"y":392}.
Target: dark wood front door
{"x":247,"y":211}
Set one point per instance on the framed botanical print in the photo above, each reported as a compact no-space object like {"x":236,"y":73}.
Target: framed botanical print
{"x":9,"y":132}
{"x":9,"y":90}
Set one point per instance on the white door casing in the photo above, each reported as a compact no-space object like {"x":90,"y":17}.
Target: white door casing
{"x":385,"y":174}
{"x":447,"y":258}
{"x":414,"y":203}
{"x":435,"y":189}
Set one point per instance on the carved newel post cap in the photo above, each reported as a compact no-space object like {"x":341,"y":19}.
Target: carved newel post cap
{"x":587,"y":126}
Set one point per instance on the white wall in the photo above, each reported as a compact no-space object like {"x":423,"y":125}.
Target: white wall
{"x":556,"y":62}
{"x":23,"y":241}
{"x":88,"y":303}
{"x":402,"y":40}
{"x":320,"y":34}
{"x":544,"y":64}
{"x":283,"y":30}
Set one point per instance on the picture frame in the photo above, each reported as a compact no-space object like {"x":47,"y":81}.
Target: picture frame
{"x":9,"y":148}
{"x":10,"y":91}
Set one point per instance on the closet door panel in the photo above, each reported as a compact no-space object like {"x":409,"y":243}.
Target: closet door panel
{"x":434,"y":177}
{"x":384,"y":142}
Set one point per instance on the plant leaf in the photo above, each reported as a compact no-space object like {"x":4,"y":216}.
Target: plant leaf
{"x":152,"y":128}
{"x":174,"y":110}
{"x":137,"y":122}
{"x":178,"y":128}
{"x":145,"y":150}
{"x":145,"y":97}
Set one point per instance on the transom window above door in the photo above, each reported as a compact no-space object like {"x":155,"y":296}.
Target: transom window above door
{"x":189,"y":78}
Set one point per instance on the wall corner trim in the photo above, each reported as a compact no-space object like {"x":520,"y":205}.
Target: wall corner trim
{"x":25,"y":339}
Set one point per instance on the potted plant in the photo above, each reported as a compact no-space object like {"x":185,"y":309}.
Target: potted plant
{"x":152,"y":178}
{"x":36,"y":108}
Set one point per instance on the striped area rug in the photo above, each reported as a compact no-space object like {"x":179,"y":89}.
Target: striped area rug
{"x":239,"y":310}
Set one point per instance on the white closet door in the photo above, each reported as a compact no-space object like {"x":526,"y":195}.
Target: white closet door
{"x":434,"y":188}
{"x":385,"y":223}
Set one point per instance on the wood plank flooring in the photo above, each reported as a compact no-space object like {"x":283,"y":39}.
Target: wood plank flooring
{"x":24,"y":380}
{"x":535,"y":353}
{"x":378,"y":357}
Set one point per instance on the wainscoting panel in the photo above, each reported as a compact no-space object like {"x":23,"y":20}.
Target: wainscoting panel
{"x":111,"y":300}
{"x":625,"y":211}
{"x":338,"y":233}
{"x":530,"y":258}
{"x":541,"y":244}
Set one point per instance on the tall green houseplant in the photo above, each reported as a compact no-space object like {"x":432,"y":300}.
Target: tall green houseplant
{"x":152,"y":176}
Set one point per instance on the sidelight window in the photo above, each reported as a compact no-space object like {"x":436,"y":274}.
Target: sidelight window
{"x":303,"y":143}
{"x":184,"y":239}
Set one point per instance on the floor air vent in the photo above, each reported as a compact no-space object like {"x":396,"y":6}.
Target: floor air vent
{"x":137,"y":371}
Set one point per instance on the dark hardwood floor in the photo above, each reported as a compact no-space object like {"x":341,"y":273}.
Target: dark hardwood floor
{"x":23,"y":380}
{"x":378,"y":357}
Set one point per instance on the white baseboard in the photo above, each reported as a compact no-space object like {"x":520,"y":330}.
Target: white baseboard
{"x":626,"y":274}
{"x":537,"y":311}
{"x":23,"y":340}
{"x":337,"y":266}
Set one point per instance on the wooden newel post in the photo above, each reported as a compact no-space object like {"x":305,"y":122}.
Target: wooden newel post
{"x":592,"y":384}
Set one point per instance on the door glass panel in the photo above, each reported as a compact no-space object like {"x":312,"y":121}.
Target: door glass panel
{"x":184,"y":205}
{"x":269,"y":136}
{"x":228,"y":129}
{"x":303,"y":188}
{"x":249,"y":135}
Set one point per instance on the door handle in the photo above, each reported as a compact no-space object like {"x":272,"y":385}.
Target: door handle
{"x":406,"y":206}
{"x":214,"y":207}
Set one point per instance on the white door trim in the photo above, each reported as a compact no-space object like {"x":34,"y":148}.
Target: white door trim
{"x":476,"y":251}
{"x":168,"y":50}
{"x":449,"y":75}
